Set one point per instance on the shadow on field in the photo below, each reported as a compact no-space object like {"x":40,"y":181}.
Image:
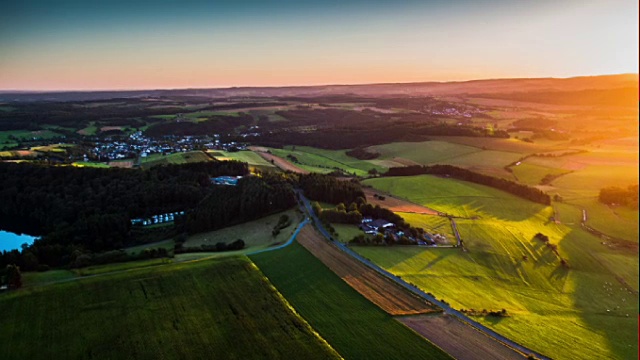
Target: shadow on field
{"x":606,"y":306}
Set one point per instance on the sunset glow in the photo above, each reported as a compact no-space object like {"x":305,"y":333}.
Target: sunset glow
{"x":170,"y":44}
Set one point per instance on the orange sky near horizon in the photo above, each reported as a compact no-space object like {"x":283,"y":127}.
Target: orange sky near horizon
{"x":414,"y":43}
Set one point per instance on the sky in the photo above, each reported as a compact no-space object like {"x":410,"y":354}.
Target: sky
{"x":144,"y":44}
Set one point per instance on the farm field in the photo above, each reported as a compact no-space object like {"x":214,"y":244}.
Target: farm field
{"x":249,"y":157}
{"x":7,"y":142}
{"x":566,"y":313}
{"x":381,"y":291}
{"x":354,"y":327}
{"x":394,"y":203}
{"x":278,"y":161}
{"x":431,"y":223}
{"x":346,"y":232}
{"x":190,"y":310}
{"x":176,"y":158}
{"x":443,"y":328}
{"x":256,"y":234}
{"x":325,"y":161}
{"x":491,"y":162}
{"x":532,"y":175}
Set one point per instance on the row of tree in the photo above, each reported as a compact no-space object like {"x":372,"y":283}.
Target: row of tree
{"x":329,"y":189}
{"x":520,"y":190}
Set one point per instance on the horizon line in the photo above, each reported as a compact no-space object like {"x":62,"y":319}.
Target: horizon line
{"x":229,"y":87}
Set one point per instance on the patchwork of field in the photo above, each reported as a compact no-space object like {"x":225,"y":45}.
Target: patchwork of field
{"x":582,"y":310}
{"x":249,"y":157}
{"x":208,"y":309}
{"x":281,"y":163}
{"x":354,"y":327}
{"x":381,"y":291}
{"x":176,"y":158}
{"x":471,"y":344}
{"x":395,"y":204}
{"x":491,"y":162}
{"x":325,"y":161}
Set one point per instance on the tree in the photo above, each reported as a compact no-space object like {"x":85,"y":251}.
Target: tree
{"x":14,"y":277}
{"x":373,"y":172}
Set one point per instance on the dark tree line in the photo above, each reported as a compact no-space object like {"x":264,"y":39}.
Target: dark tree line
{"x":329,"y":189}
{"x":214,"y":124}
{"x":80,"y":210}
{"x":616,"y":195}
{"x":523,"y":191}
{"x":252,"y":198}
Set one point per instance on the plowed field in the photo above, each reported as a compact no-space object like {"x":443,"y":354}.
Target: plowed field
{"x":383,"y":292}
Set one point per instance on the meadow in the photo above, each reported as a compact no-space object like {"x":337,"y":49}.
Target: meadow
{"x":326,"y":161}
{"x":255,"y":234}
{"x":249,"y":157}
{"x":207,"y":309}
{"x":355,"y":327}
{"x":176,"y":158}
{"x":577,"y":311}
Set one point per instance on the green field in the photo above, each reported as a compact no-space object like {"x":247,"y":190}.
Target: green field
{"x":431,"y":223}
{"x":220,"y":309}
{"x":325,"y":161}
{"x":21,"y":135}
{"x":490,"y":162}
{"x":176,"y":158}
{"x":561,"y":312}
{"x":530,"y":174}
{"x":347,"y":232}
{"x":249,"y":157}
{"x":256,"y":235}
{"x":90,"y":164}
{"x":355,"y":327}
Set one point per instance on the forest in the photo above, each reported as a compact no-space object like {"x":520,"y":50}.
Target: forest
{"x":616,"y":195}
{"x":78,"y":210}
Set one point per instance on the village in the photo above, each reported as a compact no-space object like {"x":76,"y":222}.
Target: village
{"x":137,"y":144}
{"x":393,"y":235}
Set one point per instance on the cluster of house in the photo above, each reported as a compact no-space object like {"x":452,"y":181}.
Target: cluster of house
{"x":157,"y":219}
{"x":226,"y":180}
{"x":390,"y":231}
{"x":455,"y":112}
{"x":139,"y":144}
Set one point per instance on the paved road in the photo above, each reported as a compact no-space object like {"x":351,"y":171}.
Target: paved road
{"x":293,"y":237}
{"x":445,"y":307}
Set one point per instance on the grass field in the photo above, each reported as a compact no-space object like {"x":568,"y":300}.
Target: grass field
{"x":566,"y":313}
{"x":325,"y":161}
{"x":176,"y":158}
{"x":356,"y":328}
{"x":255,"y":234}
{"x":7,"y":142}
{"x":218,"y":309}
{"x":249,"y":157}
{"x":347,"y":232}
{"x":530,"y":174}
{"x":487,"y":161}
{"x":431,"y":223}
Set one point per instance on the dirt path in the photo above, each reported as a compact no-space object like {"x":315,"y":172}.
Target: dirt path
{"x":278,"y":161}
{"x":378,"y":289}
{"x":458,"y":339}
{"x":396,"y":205}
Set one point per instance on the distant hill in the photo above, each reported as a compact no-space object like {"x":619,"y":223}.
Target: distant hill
{"x":474,"y":87}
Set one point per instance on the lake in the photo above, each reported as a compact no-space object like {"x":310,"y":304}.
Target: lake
{"x":10,"y":241}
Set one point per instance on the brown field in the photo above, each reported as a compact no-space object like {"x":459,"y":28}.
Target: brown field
{"x":405,"y":162}
{"x":381,"y":291}
{"x":279,"y":162}
{"x":109,"y":128}
{"x":396,"y":205}
{"x":121,"y":164}
{"x":458,"y":339}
